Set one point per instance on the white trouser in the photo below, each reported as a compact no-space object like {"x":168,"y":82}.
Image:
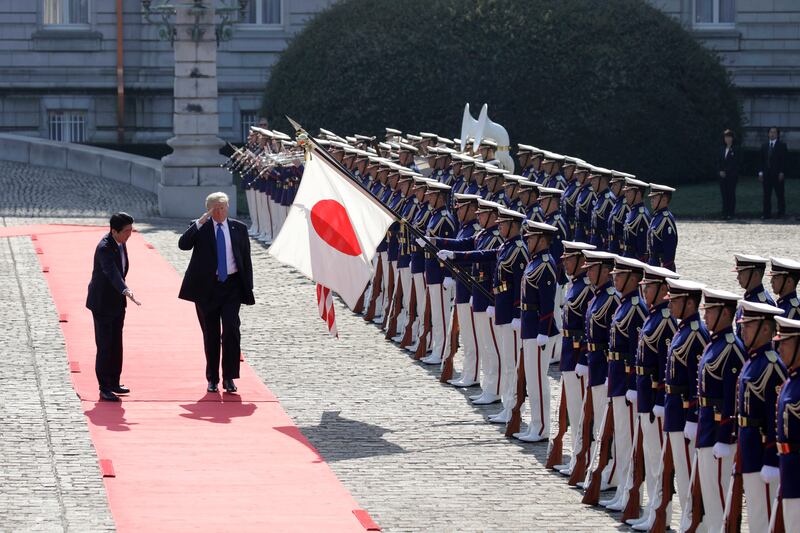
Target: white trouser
{"x":441,"y":312}
{"x":404,"y":277}
{"x":624,"y":425}
{"x":469,"y":343}
{"x":791,"y":514}
{"x":682,"y":458}
{"x":387,"y":301}
{"x":508,"y":337}
{"x":537,"y":360}
{"x":490,"y":352}
{"x":652,"y":445}
{"x":760,"y":497}
{"x":552,"y":348}
{"x":600,"y":406}
{"x":419,"y":323}
{"x":715,"y":474}
{"x":265,"y":216}
{"x":276,"y":216}
{"x":250,"y":196}
{"x":380,"y":305}
{"x":574,"y":389}
{"x":371,"y":284}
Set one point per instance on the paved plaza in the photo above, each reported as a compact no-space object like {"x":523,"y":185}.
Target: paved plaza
{"x":414,"y":453}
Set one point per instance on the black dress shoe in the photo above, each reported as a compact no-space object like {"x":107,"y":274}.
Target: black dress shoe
{"x":212,"y":387}
{"x":229,"y":385}
{"x":108,"y":396}
{"x":119,"y":389}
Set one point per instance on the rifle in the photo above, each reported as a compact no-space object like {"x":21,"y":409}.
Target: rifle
{"x":389,"y":297}
{"x":592,"y":494}
{"x":633,"y":508}
{"x":516,"y":416}
{"x":412,"y":316}
{"x":733,"y":500}
{"x":667,"y":473}
{"x":776,"y":525}
{"x":422,"y":347}
{"x":556,"y":453}
{"x":394,"y":311}
{"x":447,"y":364}
{"x":359,"y":308}
{"x":579,"y":470}
{"x":696,"y":500}
{"x":377,"y":283}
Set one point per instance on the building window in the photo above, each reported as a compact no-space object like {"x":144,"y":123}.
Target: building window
{"x":67,"y":126}
{"x":264,"y":12}
{"x":714,"y":13}
{"x":249,"y":118}
{"x":65,"y":12}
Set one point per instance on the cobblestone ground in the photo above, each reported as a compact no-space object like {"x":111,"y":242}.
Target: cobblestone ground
{"x":413,"y":452}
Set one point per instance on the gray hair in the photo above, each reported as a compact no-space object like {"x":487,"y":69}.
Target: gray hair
{"x":216,"y":198}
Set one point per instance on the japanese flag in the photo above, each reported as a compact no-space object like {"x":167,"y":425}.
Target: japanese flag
{"x":332,"y":231}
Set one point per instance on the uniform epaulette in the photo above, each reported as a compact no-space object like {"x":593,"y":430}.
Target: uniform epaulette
{"x":476,"y":226}
{"x":520,"y":244}
{"x":611,"y":290}
{"x":762,"y":297}
{"x":730,"y":338}
{"x":695,"y":325}
{"x":772,"y":357}
{"x":545,"y":257}
{"x":496,"y":232}
{"x":641,"y":209}
{"x":795,"y":302}
{"x":635,"y":300}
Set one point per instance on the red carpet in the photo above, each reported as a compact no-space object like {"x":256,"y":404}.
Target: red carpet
{"x":184,"y":460}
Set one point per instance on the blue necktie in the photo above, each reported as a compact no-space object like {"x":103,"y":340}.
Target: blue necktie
{"x":222,"y":262}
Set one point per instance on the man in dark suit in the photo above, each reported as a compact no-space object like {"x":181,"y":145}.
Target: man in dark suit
{"x":106,"y":300}
{"x":729,"y":160}
{"x":219,"y":280}
{"x":771,"y":175}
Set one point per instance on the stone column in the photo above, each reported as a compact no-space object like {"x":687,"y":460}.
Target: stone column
{"x":192,"y":170}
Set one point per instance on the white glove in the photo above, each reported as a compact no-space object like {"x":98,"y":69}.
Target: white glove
{"x":631,"y":396}
{"x":515,"y":323}
{"x":470,"y":301}
{"x":690,"y":430}
{"x":449,"y":283}
{"x":658,"y":410}
{"x":722,"y":450}
{"x":445,"y":254}
{"x":541,"y":339}
{"x":582,"y":371}
{"x":421,"y":242}
{"x":606,"y":382}
{"x":490,"y":311}
{"x":770,"y":474}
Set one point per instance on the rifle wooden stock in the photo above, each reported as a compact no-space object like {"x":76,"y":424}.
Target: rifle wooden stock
{"x":359,"y":308}
{"x":408,"y":334}
{"x":777,"y":525}
{"x":388,"y":298}
{"x":516,"y":416}
{"x":579,"y":470}
{"x":556,"y":455}
{"x":592,"y":494}
{"x":394,"y":311}
{"x":697,"y":500}
{"x":733,"y":507}
{"x":668,"y":472}
{"x":447,"y":364}
{"x":633,"y":507}
{"x":422,"y":347}
{"x":377,"y":282}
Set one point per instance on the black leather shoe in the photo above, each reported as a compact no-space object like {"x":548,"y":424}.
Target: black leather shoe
{"x":108,"y":396}
{"x":119,"y":389}
{"x":229,"y":385}
{"x":212,"y":387}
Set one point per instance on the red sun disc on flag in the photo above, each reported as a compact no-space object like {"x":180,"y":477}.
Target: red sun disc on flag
{"x":332,"y":224}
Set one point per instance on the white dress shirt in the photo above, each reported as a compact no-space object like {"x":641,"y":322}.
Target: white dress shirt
{"x":229,"y":259}
{"x":122,"y":256}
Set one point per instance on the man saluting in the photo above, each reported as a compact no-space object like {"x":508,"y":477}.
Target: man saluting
{"x":219,"y":280}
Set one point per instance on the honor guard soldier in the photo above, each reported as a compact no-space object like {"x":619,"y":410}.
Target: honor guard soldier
{"x":553,"y":178}
{"x":788,"y":422}
{"x":623,"y":341}
{"x":750,"y":274}
{"x":618,"y":214}
{"x":680,"y":384}
{"x":785,"y":274}
{"x":651,"y":361}
{"x":760,"y":380}
{"x":420,"y":222}
{"x":396,"y":238}
{"x":719,"y":370}
{"x":488,"y":239}
{"x":487,"y":149}
{"x":637,"y":223}
{"x":392,"y":134}
{"x":408,"y":210}
{"x":440,"y":285}
{"x":407,"y":153}
{"x":524,"y":153}
{"x":570,"y":195}
{"x":662,"y":237}
{"x":479,"y":176}
{"x":584,"y":204}
{"x":511,"y":189}
{"x":538,"y":326}
{"x":573,"y":342}
{"x":495,"y":179}
{"x":529,"y":198}
{"x":462,"y":170}
{"x":550,"y":202}
{"x":604,"y":202}
{"x":599,"y":316}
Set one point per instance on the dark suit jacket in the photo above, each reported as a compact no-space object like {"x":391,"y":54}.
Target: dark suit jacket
{"x":772,"y":166}
{"x":108,"y":280}
{"x":729,"y":164}
{"x":201,"y":275}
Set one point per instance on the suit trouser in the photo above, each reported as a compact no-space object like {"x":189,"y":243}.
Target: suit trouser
{"x":727,"y":189}
{"x":469,"y":342}
{"x":441,"y":312}
{"x":490,"y":352}
{"x":574,"y":389}
{"x":108,"y":339}
{"x":508,"y":337}
{"x":715,"y":474}
{"x":759,"y":496}
{"x":624,"y":413}
{"x":537,"y":361}
{"x":222,"y":309}
{"x":768,"y":184}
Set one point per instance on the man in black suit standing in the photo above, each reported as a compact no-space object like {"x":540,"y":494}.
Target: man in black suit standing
{"x":771,"y":175}
{"x":729,"y":160}
{"x":106,"y":300}
{"x":219,"y":280}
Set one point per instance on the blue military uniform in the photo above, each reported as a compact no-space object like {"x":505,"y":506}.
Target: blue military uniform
{"x":756,"y":266}
{"x":538,"y":294}
{"x":599,"y":221}
{"x":573,"y":320}
{"x":637,"y":223}
{"x":787,"y":429}
{"x":568,"y":200}
{"x":624,"y":334}
{"x":441,"y":224}
{"x":688,"y":344}
{"x":583,"y":213}
{"x":662,"y":236}
{"x":789,"y":302}
{"x":599,"y":315}
{"x":616,"y":225}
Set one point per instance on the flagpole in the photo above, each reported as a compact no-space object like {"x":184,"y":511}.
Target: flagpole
{"x":459,"y":273}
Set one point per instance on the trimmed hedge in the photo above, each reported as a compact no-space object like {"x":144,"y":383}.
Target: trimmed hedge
{"x":615,"y":82}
